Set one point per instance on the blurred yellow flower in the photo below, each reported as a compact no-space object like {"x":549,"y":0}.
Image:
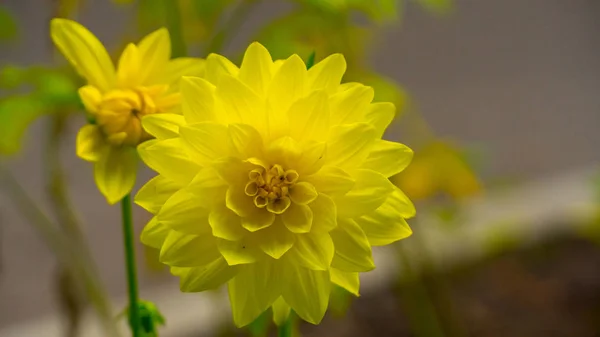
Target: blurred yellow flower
{"x":144,"y":83}
{"x":275,"y":181}
{"x":438,"y":168}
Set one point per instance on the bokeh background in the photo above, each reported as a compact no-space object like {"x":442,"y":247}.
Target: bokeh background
{"x":499,"y":98}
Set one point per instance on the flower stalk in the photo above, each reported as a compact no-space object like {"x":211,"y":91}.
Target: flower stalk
{"x":132,"y":287}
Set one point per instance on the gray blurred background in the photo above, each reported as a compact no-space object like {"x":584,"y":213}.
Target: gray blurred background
{"x":518,"y":79}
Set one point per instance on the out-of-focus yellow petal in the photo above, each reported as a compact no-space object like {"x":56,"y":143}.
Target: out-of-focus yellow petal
{"x":83,"y":50}
{"x":352,"y":249}
{"x":253,"y":290}
{"x":255,"y":71}
{"x":346,"y":280}
{"x":154,"y":54}
{"x":182,"y":66}
{"x":91,"y":97}
{"x":90,"y":143}
{"x":281,"y":311}
{"x":128,"y":71}
{"x":115,"y":172}
{"x":307,"y":292}
{"x":163,"y":126}
{"x":210,"y":276}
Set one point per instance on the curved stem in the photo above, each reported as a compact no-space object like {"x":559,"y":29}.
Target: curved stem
{"x":134,"y":315}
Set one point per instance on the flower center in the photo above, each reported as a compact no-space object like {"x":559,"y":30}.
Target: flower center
{"x":120,"y":112}
{"x":270,"y":187}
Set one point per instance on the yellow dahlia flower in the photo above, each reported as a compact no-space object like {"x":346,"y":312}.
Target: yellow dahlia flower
{"x":274,"y":181}
{"x":144,"y":83}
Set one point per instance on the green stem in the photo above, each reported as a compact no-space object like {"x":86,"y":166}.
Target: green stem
{"x":134,"y":314}
{"x":285,"y":330}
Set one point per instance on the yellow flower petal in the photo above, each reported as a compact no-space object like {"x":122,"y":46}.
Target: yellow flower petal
{"x":198,"y":99}
{"x":91,"y":97}
{"x":352,"y":249}
{"x":307,"y":292}
{"x":226,"y":224}
{"x":303,"y":193}
{"x":90,"y":143}
{"x":380,"y":115}
{"x":154,"y":233}
{"x":388,"y":158}
{"x":386,"y":224}
{"x":310,"y":117}
{"x":115,"y":172}
{"x":245,"y":140}
{"x":237,"y":103}
{"x":169,"y":158}
{"x":255,"y":71}
{"x":154,"y":53}
{"x":253,"y":290}
{"x":369,"y":192}
{"x":83,"y":50}
{"x":155,"y":192}
{"x":288,"y":84}
{"x":210,"y":276}
{"x":324,"y":214}
{"x":349,"y":145}
{"x":275,"y":240}
{"x":217,"y":66}
{"x":298,"y":218}
{"x":328,"y":73}
{"x":181,"y":66}
{"x":281,"y":311}
{"x":257,"y":218}
{"x":238,"y":252}
{"x":208,"y":188}
{"x":331,"y":180}
{"x":349,"y":106}
{"x":182,"y":213}
{"x":128,"y":71}
{"x":205,"y":141}
{"x":346,"y":280}
{"x":313,"y":251}
{"x":163,"y":126}
{"x":184,"y":250}
{"x":237,"y":201}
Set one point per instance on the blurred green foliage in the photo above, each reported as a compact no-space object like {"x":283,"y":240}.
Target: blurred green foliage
{"x":32,"y":92}
{"x":8,"y":25}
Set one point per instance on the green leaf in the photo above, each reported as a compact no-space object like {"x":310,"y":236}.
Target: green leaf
{"x":12,"y":77}
{"x":151,"y":318}
{"x":16,"y":114}
{"x":8,"y":24}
